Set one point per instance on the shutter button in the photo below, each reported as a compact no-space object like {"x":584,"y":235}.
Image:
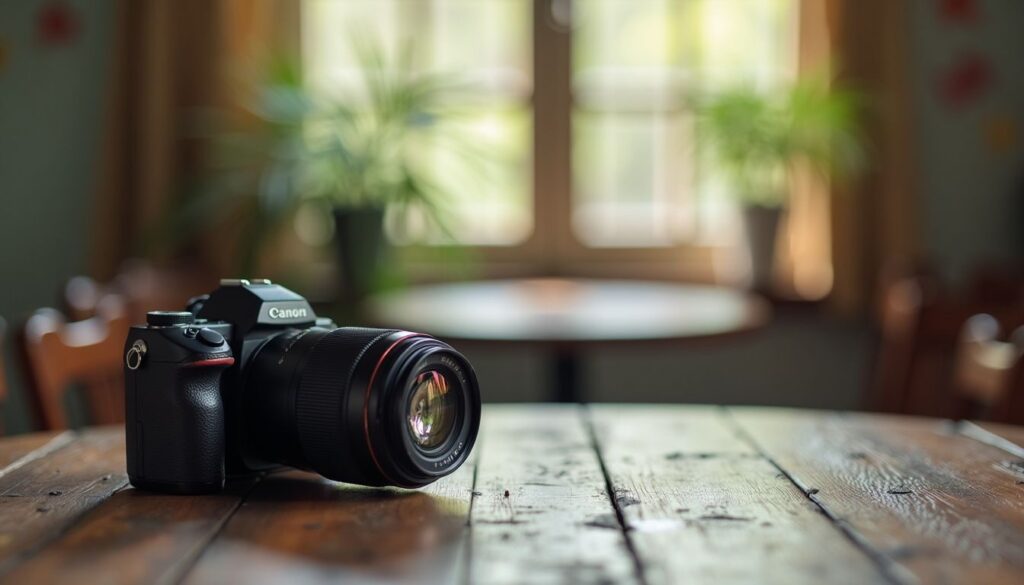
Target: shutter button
{"x":210,"y":337}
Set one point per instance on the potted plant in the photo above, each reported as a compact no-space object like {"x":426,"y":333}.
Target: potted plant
{"x":353,"y":156}
{"x":757,"y":138}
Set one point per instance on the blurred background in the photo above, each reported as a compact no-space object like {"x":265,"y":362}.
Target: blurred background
{"x":785,"y":202}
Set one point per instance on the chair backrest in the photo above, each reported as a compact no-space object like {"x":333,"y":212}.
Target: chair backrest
{"x":82,"y":295}
{"x":988,"y":371}
{"x":921,"y":325}
{"x":901,"y":315}
{"x":87,"y":352}
{"x":1009,"y":407}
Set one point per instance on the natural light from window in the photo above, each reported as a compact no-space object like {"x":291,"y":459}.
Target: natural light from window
{"x":639,"y":178}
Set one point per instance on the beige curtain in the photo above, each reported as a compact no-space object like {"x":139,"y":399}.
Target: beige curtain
{"x":805,"y":252}
{"x":875,"y":219}
{"x":844,"y":234}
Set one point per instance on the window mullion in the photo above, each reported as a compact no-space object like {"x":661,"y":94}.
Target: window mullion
{"x":552,"y":137}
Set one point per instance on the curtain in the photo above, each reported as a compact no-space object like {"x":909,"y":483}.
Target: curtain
{"x":839,"y":237}
{"x":171,"y":58}
{"x":874,"y":218}
{"x":805,"y":265}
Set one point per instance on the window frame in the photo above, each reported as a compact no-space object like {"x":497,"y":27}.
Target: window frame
{"x":553,"y":248}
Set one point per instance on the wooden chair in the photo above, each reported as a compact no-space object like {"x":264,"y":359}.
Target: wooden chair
{"x":921,"y":323}
{"x":1009,"y":408}
{"x":88,"y":352}
{"x":902,"y":314}
{"x":988,"y":371}
{"x":81,"y":296}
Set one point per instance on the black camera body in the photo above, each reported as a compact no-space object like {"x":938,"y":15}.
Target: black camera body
{"x":250,"y":379}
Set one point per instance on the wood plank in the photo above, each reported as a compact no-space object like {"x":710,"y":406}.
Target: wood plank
{"x":693,"y":494}
{"x":543,"y":513}
{"x":42,"y":498}
{"x":20,"y":449}
{"x":931,"y":503}
{"x":689,"y":431}
{"x":297,"y":527}
{"x":133,"y":537}
{"x":1009,"y":438}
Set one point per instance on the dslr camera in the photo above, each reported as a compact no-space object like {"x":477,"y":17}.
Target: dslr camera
{"x":249,"y":379}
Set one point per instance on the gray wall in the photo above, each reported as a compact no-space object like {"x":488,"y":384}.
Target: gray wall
{"x":51,"y":103}
{"x":972,"y":195}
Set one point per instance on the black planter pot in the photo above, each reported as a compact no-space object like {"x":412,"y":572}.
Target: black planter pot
{"x":762,"y":227}
{"x":361,"y":250}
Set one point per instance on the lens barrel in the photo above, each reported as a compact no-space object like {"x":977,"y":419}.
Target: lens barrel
{"x":350,"y":404}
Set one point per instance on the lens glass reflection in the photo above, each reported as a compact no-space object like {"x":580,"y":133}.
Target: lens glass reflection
{"x":432,"y":409}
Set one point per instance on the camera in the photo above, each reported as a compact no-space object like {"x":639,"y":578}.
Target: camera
{"x":249,"y":379}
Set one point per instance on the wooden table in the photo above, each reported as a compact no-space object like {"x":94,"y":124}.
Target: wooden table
{"x":553,"y":494}
{"x":566,"y":316}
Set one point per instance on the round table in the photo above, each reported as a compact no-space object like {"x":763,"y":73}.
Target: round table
{"x":565,"y":316}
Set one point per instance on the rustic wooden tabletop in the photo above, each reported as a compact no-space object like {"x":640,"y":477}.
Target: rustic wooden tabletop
{"x":609,"y":494}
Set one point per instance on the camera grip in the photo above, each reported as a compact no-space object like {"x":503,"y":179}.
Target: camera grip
{"x":175,"y":432}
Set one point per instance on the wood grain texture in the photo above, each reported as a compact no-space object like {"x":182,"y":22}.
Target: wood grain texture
{"x":298,"y":527}
{"x":45,"y":496}
{"x":1009,"y":433}
{"x":20,"y":449}
{"x":133,"y":537}
{"x":543,"y":513}
{"x":930,"y":503}
{"x":692,"y":494}
{"x":554,"y":494}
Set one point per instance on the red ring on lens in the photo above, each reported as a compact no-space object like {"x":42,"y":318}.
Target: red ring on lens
{"x":366,"y":403}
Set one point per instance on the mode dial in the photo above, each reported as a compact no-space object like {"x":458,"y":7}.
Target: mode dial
{"x":168,"y":318}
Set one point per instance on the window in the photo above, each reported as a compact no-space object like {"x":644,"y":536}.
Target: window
{"x":484,"y":45}
{"x":585,"y":109}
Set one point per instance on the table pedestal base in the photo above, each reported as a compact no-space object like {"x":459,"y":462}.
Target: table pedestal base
{"x":565,"y":370}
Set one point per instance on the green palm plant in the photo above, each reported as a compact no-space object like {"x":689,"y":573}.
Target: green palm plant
{"x":756,"y":138}
{"x":291,"y":145}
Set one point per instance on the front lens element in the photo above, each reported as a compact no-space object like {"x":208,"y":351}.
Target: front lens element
{"x":433,"y":409}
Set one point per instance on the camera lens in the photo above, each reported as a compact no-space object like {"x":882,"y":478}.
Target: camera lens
{"x":433,"y":408}
{"x":368,"y":406}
